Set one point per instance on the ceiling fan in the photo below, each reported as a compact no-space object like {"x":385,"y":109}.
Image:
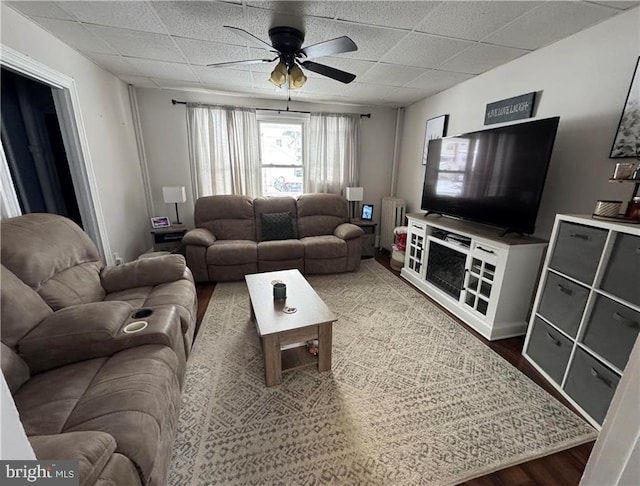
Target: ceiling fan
{"x":286,"y":43}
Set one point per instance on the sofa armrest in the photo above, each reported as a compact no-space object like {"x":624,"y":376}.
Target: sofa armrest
{"x":92,"y":450}
{"x":143,"y":273}
{"x":198,"y":237}
{"x":95,"y":330}
{"x":348,"y":231}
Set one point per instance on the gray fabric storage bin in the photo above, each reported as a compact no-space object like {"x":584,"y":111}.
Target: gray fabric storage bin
{"x":562,"y":303}
{"x":591,"y":384}
{"x":549,"y":349}
{"x":622,"y":277}
{"x":612,"y":330}
{"x":577,"y":251}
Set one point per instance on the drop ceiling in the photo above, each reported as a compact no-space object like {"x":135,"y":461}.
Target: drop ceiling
{"x":407,"y":51}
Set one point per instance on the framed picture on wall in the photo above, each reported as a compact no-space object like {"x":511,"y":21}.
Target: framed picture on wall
{"x":436,"y":128}
{"x":627,"y":140}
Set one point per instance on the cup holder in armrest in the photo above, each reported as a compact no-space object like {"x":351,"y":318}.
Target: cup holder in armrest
{"x":134,"y":327}
{"x":142,"y":313}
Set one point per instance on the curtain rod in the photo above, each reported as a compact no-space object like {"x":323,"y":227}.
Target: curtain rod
{"x":176,"y":102}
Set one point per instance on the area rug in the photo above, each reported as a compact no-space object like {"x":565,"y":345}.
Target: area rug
{"x":412,"y":398}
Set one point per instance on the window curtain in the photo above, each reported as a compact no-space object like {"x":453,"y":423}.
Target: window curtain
{"x":332,"y":163}
{"x":223,"y":150}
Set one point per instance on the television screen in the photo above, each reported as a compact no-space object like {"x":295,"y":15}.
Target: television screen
{"x":493,"y":176}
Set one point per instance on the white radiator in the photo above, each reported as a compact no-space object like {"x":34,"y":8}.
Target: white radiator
{"x":392,"y":215}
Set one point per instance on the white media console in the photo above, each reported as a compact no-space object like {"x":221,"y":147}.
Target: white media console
{"x":485,"y":279}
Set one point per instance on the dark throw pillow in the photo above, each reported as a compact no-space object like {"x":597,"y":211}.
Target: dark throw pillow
{"x":277,"y":226}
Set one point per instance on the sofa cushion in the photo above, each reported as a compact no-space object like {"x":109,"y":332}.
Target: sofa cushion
{"x":275,"y":204}
{"x":320,"y":214}
{"x":14,"y":368}
{"x":92,"y":450}
{"x":226,"y":217}
{"x":53,"y":256}
{"x":133,"y":396}
{"x":280,"y":250}
{"x":276,"y":226}
{"x":232,"y":252}
{"x":22,"y":308}
{"x":326,"y":246}
{"x":140,"y":273}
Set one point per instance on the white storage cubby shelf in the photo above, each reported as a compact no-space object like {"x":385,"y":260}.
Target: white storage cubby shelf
{"x":586,"y":314}
{"x":485,"y":279}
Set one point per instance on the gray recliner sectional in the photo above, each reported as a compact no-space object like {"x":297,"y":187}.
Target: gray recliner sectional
{"x":229,"y":240}
{"x":89,"y":381}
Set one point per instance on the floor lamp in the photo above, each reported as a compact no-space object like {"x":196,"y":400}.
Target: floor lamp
{"x":354,"y":195}
{"x":174,"y":194}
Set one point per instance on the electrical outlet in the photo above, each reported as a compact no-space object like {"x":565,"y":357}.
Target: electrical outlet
{"x":117,"y":258}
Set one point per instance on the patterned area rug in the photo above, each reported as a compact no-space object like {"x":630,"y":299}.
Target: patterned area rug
{"x":412,"y":398}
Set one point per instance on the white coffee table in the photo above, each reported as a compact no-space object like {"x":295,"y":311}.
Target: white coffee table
{"x":312,"y":320}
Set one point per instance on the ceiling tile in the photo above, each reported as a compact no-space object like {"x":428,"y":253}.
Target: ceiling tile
{"x":175,"y":84}
{"x":139,"y":44}
{"x":223,"y":77}
{"x":435,"y":81}
{"x":372,"y":42}
{"x":619,"y":5}
{"x":140,"y":81}
{"x":472,"y":20}
{"x":391,"y":74}
{"x":114,"y":64}
{"x":164,"y":70}
{"x":323,"y":85}
{"x":480,"y":58}
{"x":203,"y":52}
{"x":549,"y":23}
{"x":41,"y":9}
{"x":389,"y":14}
{"x":405,"y":95}
{"x":75,"y":35}
{"x":353,"y":66}
{"x":201,"y":20}
{"x":300,"y":9}
{"x":259,"y":21}
{"x":127,"y":15}
{"x":424,"y":50}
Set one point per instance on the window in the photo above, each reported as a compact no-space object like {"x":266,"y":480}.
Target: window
{"x":282,"y":140}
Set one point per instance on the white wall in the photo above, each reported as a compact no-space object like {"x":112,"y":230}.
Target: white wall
{"x":106,"y":112}
{"x":584,"y":79}
{"x":164,"y":131}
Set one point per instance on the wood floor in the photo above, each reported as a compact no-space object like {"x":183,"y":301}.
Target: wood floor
{"x":560,"y":469}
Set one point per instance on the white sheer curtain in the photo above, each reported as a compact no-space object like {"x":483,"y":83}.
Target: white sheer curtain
{"x":332,"y":161}
{"x":223,"y":150}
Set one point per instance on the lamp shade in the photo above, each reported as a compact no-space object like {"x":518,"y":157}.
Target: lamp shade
{"x":355,"y":193}
{"x":174,"y":194}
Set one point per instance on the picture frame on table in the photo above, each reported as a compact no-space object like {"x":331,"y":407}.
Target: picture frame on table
{"x":626,"y":142}
{"x":160,"y":222}
{"x":436,"y":128}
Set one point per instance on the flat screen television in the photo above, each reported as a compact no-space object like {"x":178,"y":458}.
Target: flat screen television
{"x":494,"y":176}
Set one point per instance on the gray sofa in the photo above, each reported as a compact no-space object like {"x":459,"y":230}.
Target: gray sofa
{"x":311,"y":233}
{"x":88,"y":383}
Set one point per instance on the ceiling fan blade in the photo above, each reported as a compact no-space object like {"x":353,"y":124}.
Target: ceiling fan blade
{"x":238,"y":63}
{"x":251,"y":37}
{"x":329,"y":48}
{"x":333,"y":73}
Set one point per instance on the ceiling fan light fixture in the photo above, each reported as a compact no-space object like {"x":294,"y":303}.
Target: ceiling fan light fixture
{"x":296,"y":77}
{"x":279,"y":75}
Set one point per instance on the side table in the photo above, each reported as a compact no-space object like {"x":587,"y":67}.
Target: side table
{"x":369,"y":237}
{"x":168,"y":239}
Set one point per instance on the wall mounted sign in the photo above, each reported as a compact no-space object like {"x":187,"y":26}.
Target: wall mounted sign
{"x":510,"y":109}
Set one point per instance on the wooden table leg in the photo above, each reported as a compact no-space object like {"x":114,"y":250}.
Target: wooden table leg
{"x":272,"y":359}
{"x":324,"y":346}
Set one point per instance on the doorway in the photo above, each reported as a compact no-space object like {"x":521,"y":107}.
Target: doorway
{"x":34,"y":148}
